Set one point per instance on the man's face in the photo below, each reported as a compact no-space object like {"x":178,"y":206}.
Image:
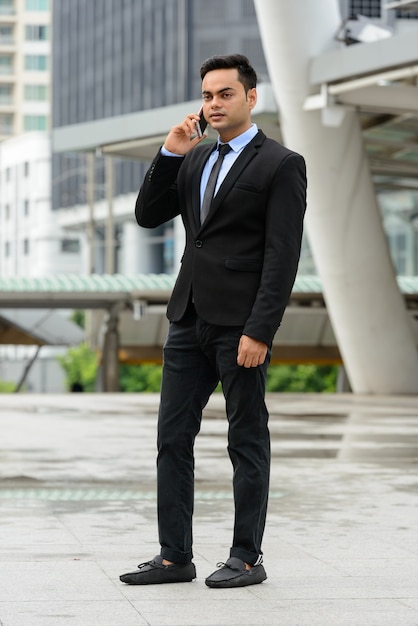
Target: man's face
{"x":226,"y":106}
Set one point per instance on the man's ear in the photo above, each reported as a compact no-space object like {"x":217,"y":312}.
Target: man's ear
{"x":252,"y":97}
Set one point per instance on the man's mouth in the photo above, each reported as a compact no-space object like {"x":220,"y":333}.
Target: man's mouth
{"x":216,"y":116}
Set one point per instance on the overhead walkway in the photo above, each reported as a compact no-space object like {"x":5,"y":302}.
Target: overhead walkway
{"x":379,"y":81}
{"x":130,"y":311}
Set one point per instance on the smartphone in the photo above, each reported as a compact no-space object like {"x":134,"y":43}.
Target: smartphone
{"x":201,"y":124}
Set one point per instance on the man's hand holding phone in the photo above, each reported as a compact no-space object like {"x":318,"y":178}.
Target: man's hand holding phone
{"x":184,"y":137}
{"x":201,"y":124}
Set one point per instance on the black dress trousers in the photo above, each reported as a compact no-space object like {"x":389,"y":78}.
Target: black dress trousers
{"x":198,"y":355}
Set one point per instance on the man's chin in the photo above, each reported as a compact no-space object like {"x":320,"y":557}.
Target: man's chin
{"x":219,"y":127}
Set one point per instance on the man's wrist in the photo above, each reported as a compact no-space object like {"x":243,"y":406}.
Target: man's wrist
{"x":166,"y":152}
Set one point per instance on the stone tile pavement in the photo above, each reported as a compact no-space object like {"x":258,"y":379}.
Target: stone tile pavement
{"x":77,"y":508}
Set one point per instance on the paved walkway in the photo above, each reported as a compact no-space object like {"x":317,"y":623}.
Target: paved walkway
{"x":77,"y":508}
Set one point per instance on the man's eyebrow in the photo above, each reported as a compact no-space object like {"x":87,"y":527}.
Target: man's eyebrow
{"x":206,"y":92}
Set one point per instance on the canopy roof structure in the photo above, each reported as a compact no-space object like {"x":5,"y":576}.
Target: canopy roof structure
{"x":41,"y":327}
{"x":95,"y":291}
{"x":72,"y":289}
{"x":138,"y":302}
{"x":378,"y":80}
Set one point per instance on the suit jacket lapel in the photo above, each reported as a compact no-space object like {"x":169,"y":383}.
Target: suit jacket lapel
{"x":240,"y":164}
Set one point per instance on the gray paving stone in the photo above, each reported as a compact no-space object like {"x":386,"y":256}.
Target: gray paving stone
{"x":56,"y":613}
{"x":77,"y":508}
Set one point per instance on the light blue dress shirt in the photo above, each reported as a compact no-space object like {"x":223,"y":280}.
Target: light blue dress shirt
{"x":237,"y":144}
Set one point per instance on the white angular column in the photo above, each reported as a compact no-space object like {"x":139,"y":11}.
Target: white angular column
{"x":343,"y":221}
{"x":137,"y":251}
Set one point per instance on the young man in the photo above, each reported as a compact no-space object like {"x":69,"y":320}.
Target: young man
{"x":237,"y":273}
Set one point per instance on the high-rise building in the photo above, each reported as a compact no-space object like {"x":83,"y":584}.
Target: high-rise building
{"x":31,"y":241}
{"x":25,"y":54}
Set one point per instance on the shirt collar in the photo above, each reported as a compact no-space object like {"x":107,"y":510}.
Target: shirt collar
{"x":238,"y":143}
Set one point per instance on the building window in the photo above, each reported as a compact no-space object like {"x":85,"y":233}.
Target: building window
{"x":7,"y":249}
{"x":36,"y":92}
{"x":36,"y":62}
{"x":7,"y":173}
{"x":37,"y":5}
{"x":6,"y":34}
{"x":6,"y":123}
{"x":7,"y":211}
{"x":7,"y":7}
{"x":6,"y":64}
{"x":26,"y":207}
{"x":34,"y":32}
{"x":26,"y":247}
{"x":35,"y":122}
{"x":6,"y":94}
{"x":369,"y":8}
{"x":70,"y":245}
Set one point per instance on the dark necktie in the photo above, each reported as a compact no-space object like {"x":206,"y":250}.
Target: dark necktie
{"x":223,"y":149}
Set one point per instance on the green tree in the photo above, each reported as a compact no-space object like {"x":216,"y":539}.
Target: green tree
{"x":302,"y":378}
{"x":80,"y":366}
{"x":79,"y":318}
{"x":284,"y":378}
{"x":7,"y":386}
{"x":146,"y":377}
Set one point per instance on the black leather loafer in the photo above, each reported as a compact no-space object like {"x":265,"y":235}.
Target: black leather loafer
{"x":233,"y":573}
{"x":154,"y":573}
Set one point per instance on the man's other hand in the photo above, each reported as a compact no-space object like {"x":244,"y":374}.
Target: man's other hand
{"x":251,"y":352}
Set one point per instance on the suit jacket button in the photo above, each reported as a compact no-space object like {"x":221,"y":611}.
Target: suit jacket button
{"x":198,"y":243}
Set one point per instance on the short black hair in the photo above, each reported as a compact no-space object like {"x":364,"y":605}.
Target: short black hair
{"x":246,"y":73}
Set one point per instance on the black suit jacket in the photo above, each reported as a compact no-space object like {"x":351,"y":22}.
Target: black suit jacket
{"x":240,"y":265}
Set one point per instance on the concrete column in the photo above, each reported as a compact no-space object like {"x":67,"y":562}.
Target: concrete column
{"x":343,"y":221}
{"x":90,"y":229}
{"x":109,"y":224}
{"x":179,"y":243}
{"x":110,"y":351}
{"x":136,"y":251}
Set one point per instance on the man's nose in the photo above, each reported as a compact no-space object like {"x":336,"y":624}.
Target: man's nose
{"x":216,"y":103}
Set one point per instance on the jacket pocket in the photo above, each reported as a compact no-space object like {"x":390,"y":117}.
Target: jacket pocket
{"x":244,"y":265}
{"x":247,"y":187}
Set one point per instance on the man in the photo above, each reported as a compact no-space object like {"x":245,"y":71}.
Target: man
{"x":236,"y":276}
